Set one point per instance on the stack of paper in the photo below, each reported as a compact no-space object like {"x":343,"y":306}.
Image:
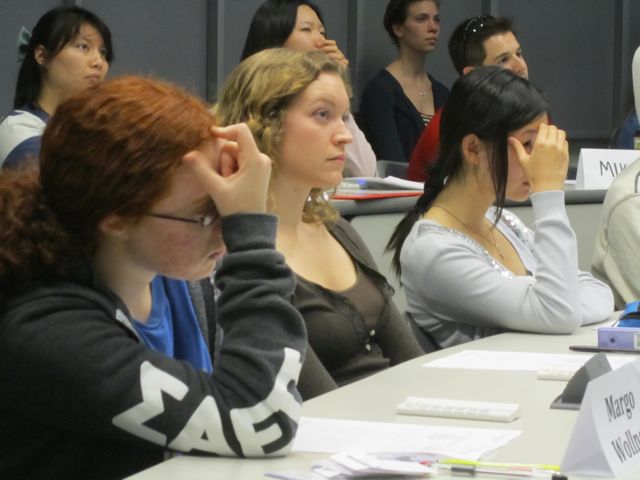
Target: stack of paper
{"x":373,"y":187}
{"x":361,"y":465}
{"x":326,"y":435}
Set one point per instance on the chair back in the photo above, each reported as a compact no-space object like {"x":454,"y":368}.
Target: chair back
{"x":425,"y":340}
{"x":635,"y":73}
{"x":388,"y":168}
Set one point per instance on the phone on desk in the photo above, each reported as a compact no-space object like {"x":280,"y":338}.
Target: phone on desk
{"x":596,"y":349}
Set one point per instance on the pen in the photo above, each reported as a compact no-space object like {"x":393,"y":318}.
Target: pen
{"x":472,"y":471}
{"x":475,"y":463}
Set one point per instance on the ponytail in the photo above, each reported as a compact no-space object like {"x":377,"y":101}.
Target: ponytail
{"x":32,"y":244}
{"x":432,"y":188}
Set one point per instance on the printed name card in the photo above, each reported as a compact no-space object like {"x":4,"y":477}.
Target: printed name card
{"x":606,"y":438}
{"x":597,"y":167}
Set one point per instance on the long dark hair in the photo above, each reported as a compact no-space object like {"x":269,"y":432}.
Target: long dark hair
{"x":490,"y":102}
{"x":272,"y":24}
{"x":53,"y":31}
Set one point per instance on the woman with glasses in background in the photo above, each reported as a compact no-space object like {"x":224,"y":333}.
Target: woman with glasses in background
{"x":69,"y":49}
{"x":400,"y":100}
{"x":103,"y":370}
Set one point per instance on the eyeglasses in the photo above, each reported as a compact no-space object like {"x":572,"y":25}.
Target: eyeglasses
{"x":203,"y":220}
{"x":475,"y":25}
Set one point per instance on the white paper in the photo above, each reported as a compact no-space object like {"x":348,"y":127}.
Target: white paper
{"x":331,"y":436}
{"x":520,"y":361}
{"x":401,"y":182}
{"x":373,"y":183}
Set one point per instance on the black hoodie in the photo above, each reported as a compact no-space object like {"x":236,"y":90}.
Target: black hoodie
{"x":80,"y":397}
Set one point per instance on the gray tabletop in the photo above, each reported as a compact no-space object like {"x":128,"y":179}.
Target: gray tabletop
{"x":399,"y":205}
{"x":545,"y":432}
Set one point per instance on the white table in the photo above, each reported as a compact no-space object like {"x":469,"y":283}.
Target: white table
{"x":545,"y":432}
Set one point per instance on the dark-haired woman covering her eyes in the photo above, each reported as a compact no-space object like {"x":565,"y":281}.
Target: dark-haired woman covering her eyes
{"x":471,"y":269}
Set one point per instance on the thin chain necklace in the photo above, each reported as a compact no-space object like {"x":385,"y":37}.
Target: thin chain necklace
{"x":491,"y":241}
{"x":421,"y":92}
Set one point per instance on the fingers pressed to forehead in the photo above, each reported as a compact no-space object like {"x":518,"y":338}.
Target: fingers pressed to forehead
{"x":543,"y":128}
{"x":562,"y":135}
{"x":199,"y":163}
{"x":229,"y":146}
{"x":517,"y":146}
{"x":239,"y":133}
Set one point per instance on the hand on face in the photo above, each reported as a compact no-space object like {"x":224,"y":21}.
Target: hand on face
{"x":241,"y":179}
{"x":330,"y":47}
{"x":546,"y":165}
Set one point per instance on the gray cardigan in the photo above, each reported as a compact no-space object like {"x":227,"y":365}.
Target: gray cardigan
{"x":458,"y":292}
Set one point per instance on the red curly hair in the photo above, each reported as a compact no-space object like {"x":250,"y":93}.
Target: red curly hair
{"x":110,"y":149}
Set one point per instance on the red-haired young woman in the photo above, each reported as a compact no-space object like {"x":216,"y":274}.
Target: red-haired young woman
{"x":135,"y":181}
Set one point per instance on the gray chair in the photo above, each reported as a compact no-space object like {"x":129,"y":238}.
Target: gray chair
{"x":388,"y":168}
{"x":425,"y":340}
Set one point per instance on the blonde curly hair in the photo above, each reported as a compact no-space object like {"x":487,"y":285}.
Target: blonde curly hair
{"x":259,"y":92}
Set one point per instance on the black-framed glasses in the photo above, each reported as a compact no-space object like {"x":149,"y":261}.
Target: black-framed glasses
{"x":475,"y":25}
{"x":203,"y":220}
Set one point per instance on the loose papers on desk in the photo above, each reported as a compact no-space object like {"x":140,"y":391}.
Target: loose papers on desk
{"x":323,"y":435}
{"x":375,"y":183}
{"x":522,"y":361}
{"x":359,"y":465}
{"x":363,"y":188}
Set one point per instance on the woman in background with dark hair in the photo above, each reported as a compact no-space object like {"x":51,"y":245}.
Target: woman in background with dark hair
{"x":298,"y":25}
{"x":471,"y":270}
{"x":69,"y":49}
{"x":295,"y":24}
{"x":400,"y":100}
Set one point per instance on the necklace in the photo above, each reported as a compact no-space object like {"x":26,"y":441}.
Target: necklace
{"x":421,"y":92}
{"x":491,"y":241}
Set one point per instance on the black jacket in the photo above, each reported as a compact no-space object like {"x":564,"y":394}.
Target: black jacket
{"x":389,"y":120}
{"x":82,"y":398}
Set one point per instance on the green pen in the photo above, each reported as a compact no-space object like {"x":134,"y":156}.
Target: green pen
{"x":459,"y":467}
{"x":475,"y":463}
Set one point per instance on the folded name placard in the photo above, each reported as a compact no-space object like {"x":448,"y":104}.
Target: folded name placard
{"x":606,"y":438}
{"x":597,"y":167}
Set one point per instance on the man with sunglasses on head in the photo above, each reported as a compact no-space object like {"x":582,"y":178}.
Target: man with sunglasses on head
{"x":477,"y":41}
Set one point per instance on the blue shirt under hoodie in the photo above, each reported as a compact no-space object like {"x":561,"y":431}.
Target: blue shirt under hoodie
{"x":172,"y":327}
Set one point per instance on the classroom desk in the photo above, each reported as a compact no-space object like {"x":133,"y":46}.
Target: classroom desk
{"x":545,"y":432}
{"x":351,"y":208}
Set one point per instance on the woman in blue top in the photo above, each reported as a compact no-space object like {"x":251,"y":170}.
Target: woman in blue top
{"x":68,"y":50}
{"x":133,"y":182}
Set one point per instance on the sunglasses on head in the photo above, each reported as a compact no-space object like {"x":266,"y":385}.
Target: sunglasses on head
{"x":475,"y":25}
